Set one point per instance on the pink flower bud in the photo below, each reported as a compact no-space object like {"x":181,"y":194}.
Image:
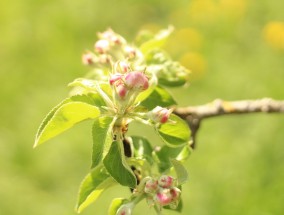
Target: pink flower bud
{"x":151,"y":186}
{"x":130,"y":52}
{"x":121,"y":90}
{"x":87,"y":58}
{"x":175,"y":193}
{"x":125,"y":210}
{"x":102,"y":46}
{"x":159,"y":114}
{"x":137,"y":80}
{"x":123,"y":67}
{"x":166,"y":181}
{"x":163,"y":198}
{"x":116,"y":78}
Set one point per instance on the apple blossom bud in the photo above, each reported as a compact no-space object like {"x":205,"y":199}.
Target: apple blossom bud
{"x":115,"y":78}
{"x":125,"y":210}
{"x":163,"y":198}
{"x":121,"y":90}
{"x":175,"y":193}
{"x":130,"y":52}
{"x":166,"y":181}
{"x":159,"y":114}
{"x":102,"y":46}
{"x":137,"y":80}
{"x":123,"y":67}
{"x":151,"y":186}
{"x":87,"y":58}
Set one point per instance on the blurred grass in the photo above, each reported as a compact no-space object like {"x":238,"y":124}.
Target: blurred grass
{"x":235,"y":52}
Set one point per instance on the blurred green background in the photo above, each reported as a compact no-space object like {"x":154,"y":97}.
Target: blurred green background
{"x":235,"y":49}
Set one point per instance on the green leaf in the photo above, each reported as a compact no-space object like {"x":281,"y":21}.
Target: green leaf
{"x":182,"y":174}
{"x":102,"y":138}
{"x":166,"y":154}
{"x":159,"y":97}
{"x":142,"y":148}
{"x":175,"y":132}
{"x":157,"y":41}
{"x":117,"y":166}
{"x":97,"y":181}
{"x":63,"y":117}
{"x":115,"y":205}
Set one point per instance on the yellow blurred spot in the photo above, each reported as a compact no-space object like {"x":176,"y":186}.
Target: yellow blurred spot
{"x":273,"y":34}
{"x":204,"y":11}
{"x":195,"y":63}
{"x":184,"y":40}
{"x":233,"y":9}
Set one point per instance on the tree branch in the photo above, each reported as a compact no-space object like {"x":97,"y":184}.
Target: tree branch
{"x":195,"y":114}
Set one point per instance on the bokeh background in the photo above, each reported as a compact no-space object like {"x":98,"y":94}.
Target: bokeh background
{"x":235,"y":50}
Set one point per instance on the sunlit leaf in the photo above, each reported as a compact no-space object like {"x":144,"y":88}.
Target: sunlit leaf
{"x":157,"y":41}
{"x":159,"y":97}
{"x":115,"y":205}
{"x":64,"y":117}
{"x":97,"y":181}
{"x":117,"y":166}
{"x":175,"y":132}
{"x":102,"y":138}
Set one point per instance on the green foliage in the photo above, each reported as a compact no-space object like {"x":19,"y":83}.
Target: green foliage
{"x":96,"y":182}
{"x":117,"y":166}
{"x":175,"y":132}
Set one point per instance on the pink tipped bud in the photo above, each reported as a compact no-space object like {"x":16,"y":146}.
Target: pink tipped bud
{"x":125,"y":210}
{"x":166,"y":181}
{"x":151,"y":186}
{"x":175,"y":193}
{"x":137,"y":80}
{"x":130,"y":52}
{"x":123,"y":67}
{"x":87,"y":58}
{"x":115,"y":78}
{"x":159,"y":114}
{"x":163,"y":198}
{"x":121,"y":90}
{"x":102,"y":46}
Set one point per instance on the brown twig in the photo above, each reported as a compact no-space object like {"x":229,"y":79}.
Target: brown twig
{"x":195,"y":114}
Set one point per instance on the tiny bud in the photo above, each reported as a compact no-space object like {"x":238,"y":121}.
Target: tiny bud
{"x":87,"y":58}
{"x":102,"y":46}
{"x":175,"y":193}
{"x":159,"y":114}
{"x":123,"y":67}
{"x":137,"y":80}
{"x":166,"y":181}
{"x":125,"y":210}
{"x":130,"y":52}
{"x":151,"y":186}
{"x":121,"y":90}
{"x":163,"y":198}
{"x":115,"y":78}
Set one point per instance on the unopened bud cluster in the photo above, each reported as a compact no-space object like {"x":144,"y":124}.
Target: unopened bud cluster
{"x":128,"y":82}
{"x":110,"y":47}
{"x":162,"y":192}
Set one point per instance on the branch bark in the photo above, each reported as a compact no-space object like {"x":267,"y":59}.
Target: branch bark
{"x":195,"y":114}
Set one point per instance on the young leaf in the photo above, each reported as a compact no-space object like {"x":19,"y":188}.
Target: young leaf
{"x":182,"y":174}
{"x":115,"y":205}
{"x":156,"y":42}
{"x":63,"y":118}
{"x":166,"y":154}
{"x":159,"y":97}
{"x":175,"y":132}
{"x":102,"y":138}
{"x":117,"y":166}
{"x":97,"y":181}
{"x":142,"y":148}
